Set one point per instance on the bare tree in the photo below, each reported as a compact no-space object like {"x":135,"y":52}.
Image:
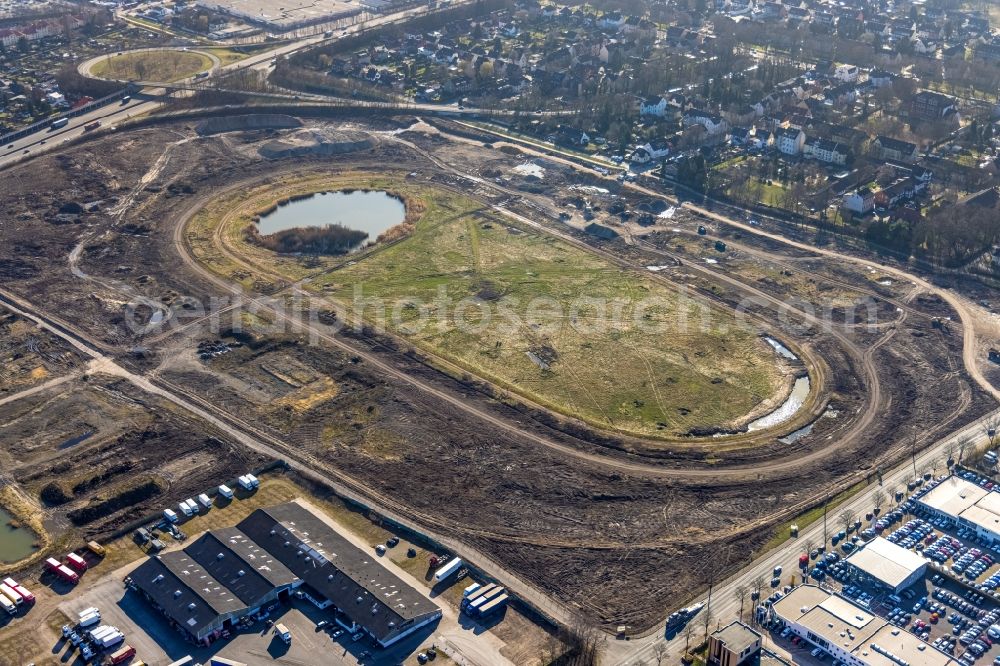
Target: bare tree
{"x":808,"y":545}
{"x":688,"y":631}
{"x":894,"y":493}
{"x":878,"y":499}
{"x":660,"y":651}
{"x":846,"y":519}
{"x":583,"y":642}
{"x":964,"y":445}
{"x":740,"y":594}
{"x":949,"y":451}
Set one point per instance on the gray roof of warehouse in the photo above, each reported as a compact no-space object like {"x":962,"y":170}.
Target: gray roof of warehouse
{"x":184,"y":590}
{"x":343,"y":573}
{"x":238,"y":563}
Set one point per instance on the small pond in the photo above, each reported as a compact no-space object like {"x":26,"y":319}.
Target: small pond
{"x":15,"y":543}
{"x":370,"y":212}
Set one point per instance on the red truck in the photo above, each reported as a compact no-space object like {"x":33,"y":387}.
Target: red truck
{"x":76,"y":562}
{"x":61,"y":570}
{"x":804,"y":560}
{"x":92,"y":126}
{"x":20,"y":589}
{"x":122,"y":654}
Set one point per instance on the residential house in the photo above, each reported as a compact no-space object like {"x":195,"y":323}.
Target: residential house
{"x":887,"y":148}
{"x":789,"y":140}
{"x":900,"y":191}
{"x":826,"y":151}
{"x":845,"y":93}
{"x":879,"y":78}
{"x":846,"y":73}
{"x":861,"y":201}
{"x":713,"y":123}
{"x":657,"y":149}
{"x":653,"y":106}
{"x":929,"y":105}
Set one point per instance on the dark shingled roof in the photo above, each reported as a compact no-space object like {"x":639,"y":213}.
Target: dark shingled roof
{"x":214,"y":551}
{"x":351,"y":578}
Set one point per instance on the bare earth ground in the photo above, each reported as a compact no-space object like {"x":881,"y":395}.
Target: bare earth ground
{"x":621,"y":529}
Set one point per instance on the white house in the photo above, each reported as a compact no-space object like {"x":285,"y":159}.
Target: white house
{"x":654,"y":150}
{"x":860,"y":201}
{"x":830,"y":152}
{"x":712,"y":123}
{"x":789,"y":140}
{"x":846,"y":73}
{"x":653,"y":106}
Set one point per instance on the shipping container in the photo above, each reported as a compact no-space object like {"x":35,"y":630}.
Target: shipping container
{"x":11,"y":593}
{"x":90,"y":619}
{"x":76,"y":562}
{"x":485,"y":599}
{"x":226,"y":491}
{"x":493,"y":606}
{"x":448,"y":569}
{"x":52,"y":564}
{"x":478,"y":593}
{"x":470,"y":589}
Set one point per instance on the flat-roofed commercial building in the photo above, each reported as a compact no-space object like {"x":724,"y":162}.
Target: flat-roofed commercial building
{"x":284,"y":15}
{"x":951,"y":497}
{"x":733,"y":645}
{"x":850,"y":634}
{"x":884,"y":563}
{"x":965,"y":504}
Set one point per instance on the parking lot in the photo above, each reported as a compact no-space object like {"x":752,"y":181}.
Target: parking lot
{"x":955,"y":607}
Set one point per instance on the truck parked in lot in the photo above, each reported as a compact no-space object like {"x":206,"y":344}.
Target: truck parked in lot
{"x":8,"y":605}
{"x":226,"y":491}
{"x":11,"y":593}
{"x":448,"y":569}
{"x":61,"y":570}
{"x":28,"y":597}
{"x":106,"y":636}
{"x":281,"y":631}
{"x":76,"y":562}
{"x":122,"y":654}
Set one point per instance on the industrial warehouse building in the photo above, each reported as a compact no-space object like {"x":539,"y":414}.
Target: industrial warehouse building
{"x":965,"y":504}
{"x":886,"y":565}
{"x":228,"y":574}
{"x":852,"y":635}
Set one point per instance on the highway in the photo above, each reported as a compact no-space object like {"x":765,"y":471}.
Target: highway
{"x":146,"y":101}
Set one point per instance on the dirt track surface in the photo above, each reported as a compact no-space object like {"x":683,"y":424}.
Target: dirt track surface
{"x":608,"y":527}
